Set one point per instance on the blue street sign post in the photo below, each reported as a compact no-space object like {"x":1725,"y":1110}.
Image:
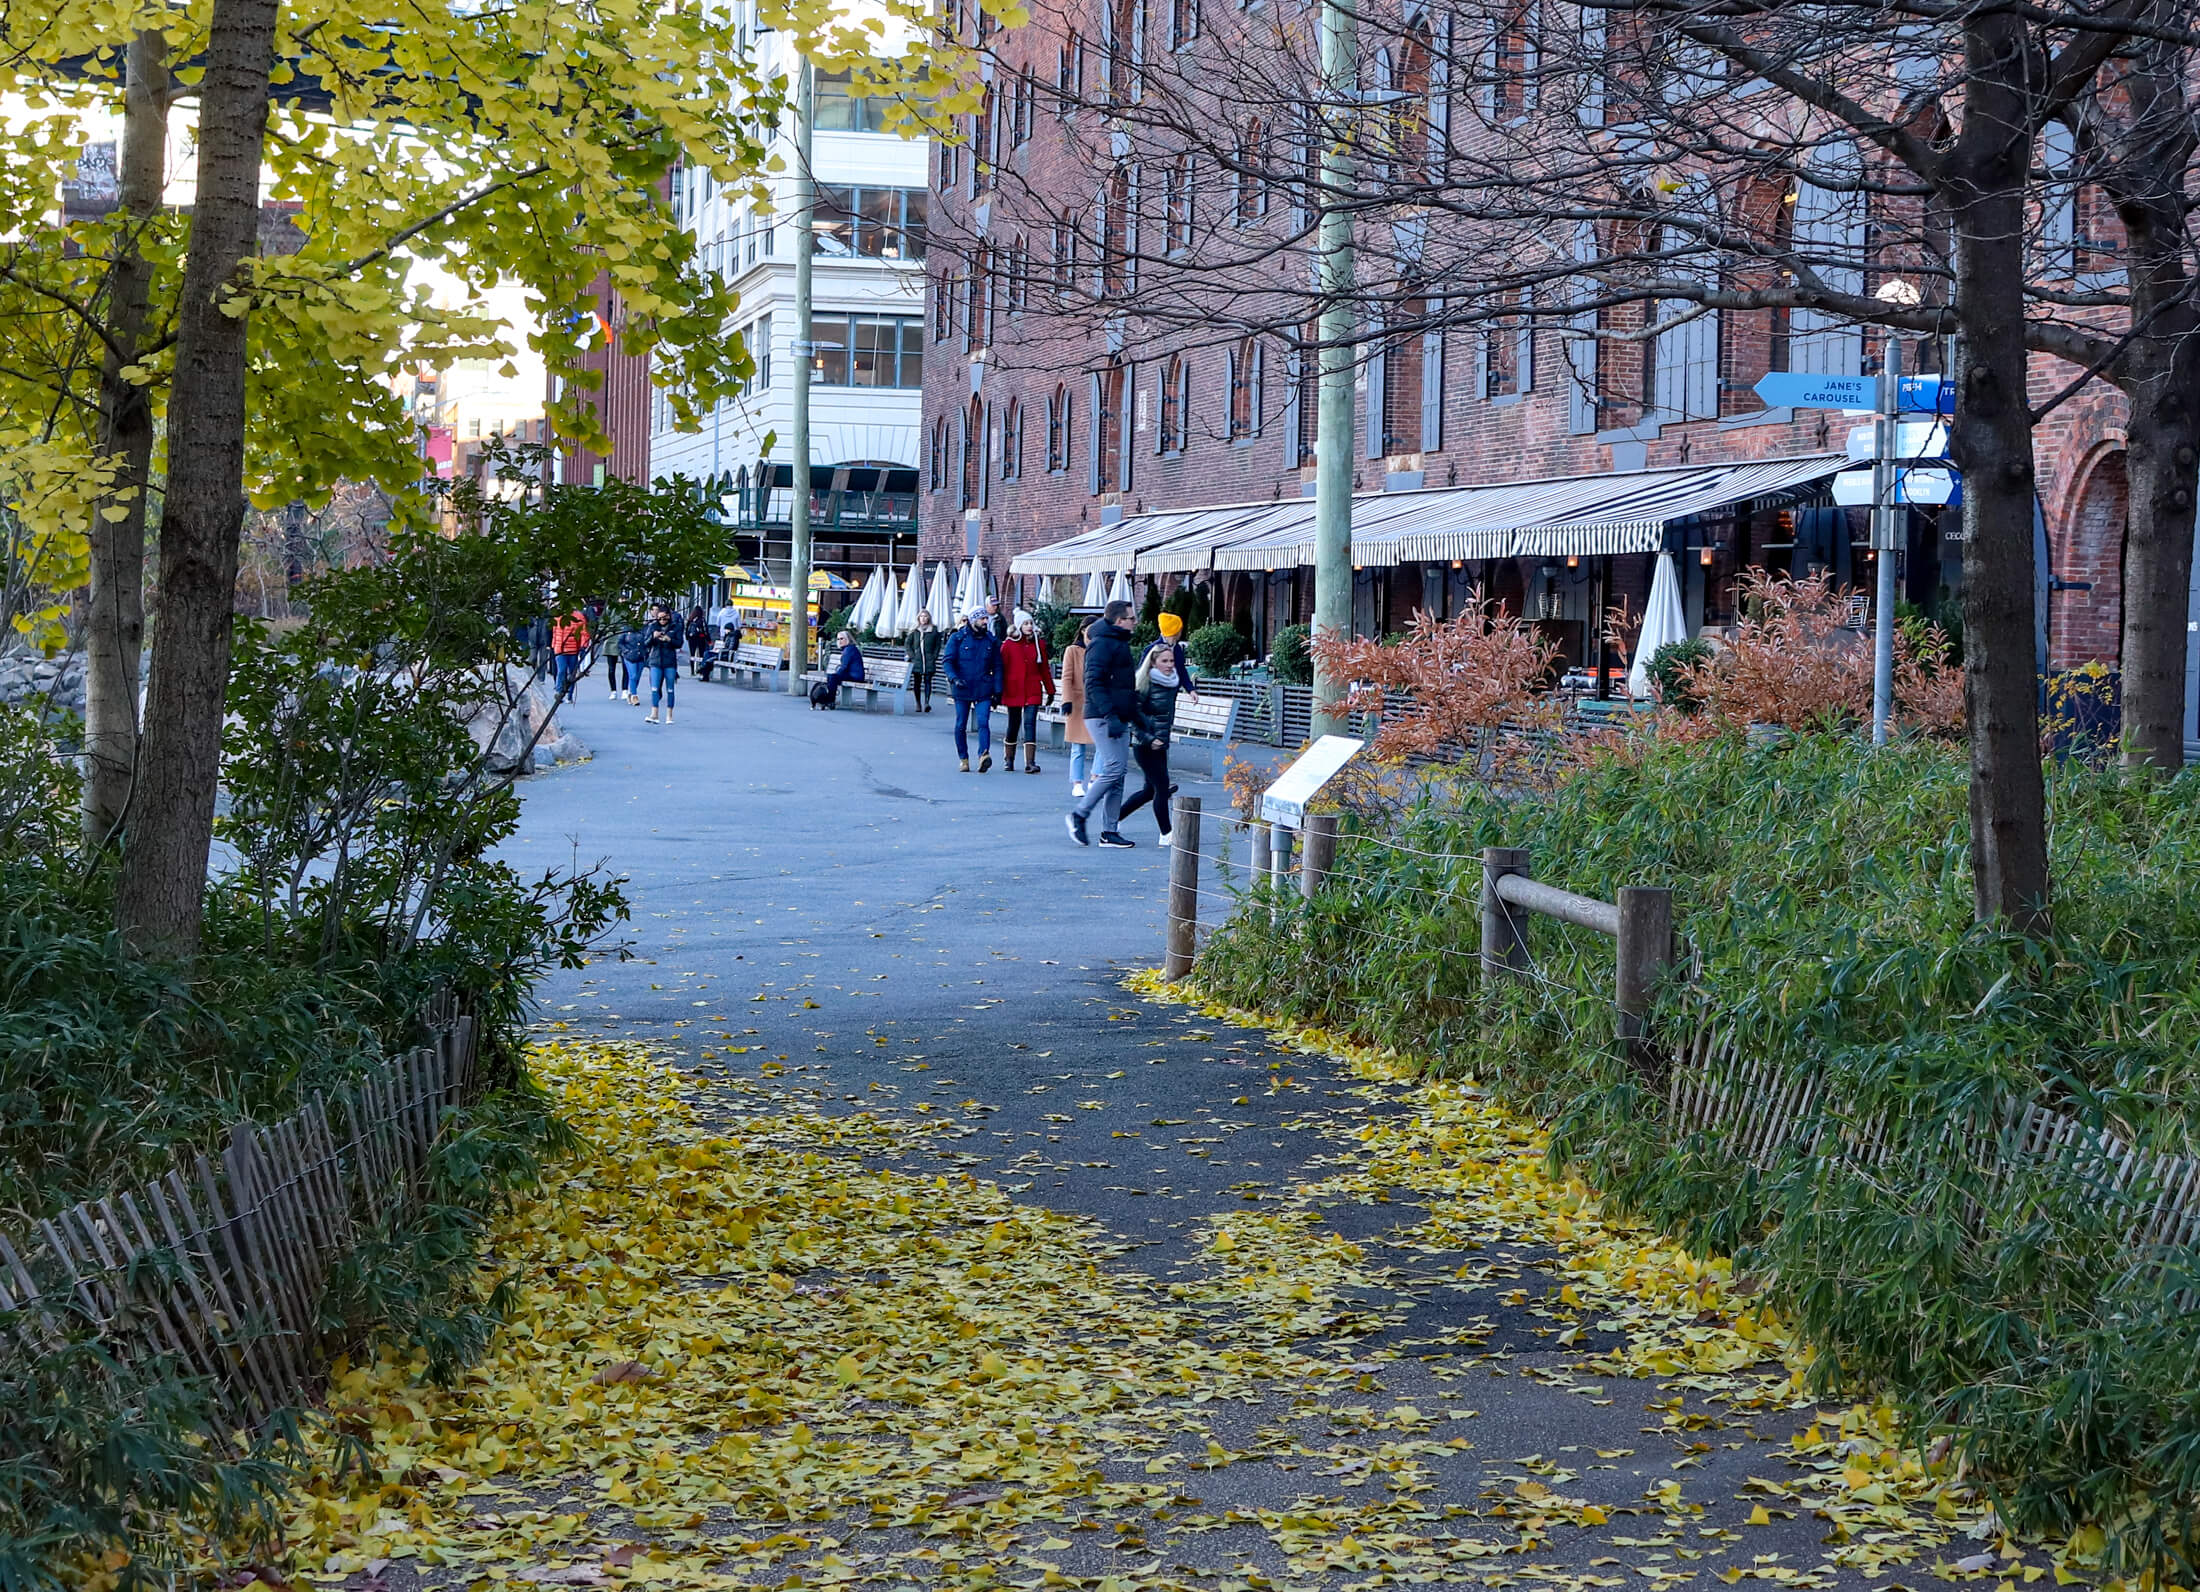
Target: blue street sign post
{"x":1796,"y":389}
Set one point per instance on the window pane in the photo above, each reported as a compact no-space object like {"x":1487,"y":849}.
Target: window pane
{"x":835,"y":110}
{"x":874,"y":353}
{"x":834,"y":223}
{"x":911,"y":241}
{"x":912,"y":355}
{"x":880,"y":232}
{"x":829,"y":362}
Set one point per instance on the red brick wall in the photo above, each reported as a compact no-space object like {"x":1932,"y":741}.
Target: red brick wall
{"x":622,"y":403}
{"x":1484,"y":440}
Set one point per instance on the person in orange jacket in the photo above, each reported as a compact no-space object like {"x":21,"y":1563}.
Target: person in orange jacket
{"x":568,"y":643}
{"x":1027,"y":683}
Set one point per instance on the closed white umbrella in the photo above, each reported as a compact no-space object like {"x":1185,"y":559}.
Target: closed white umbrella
{"x":965,"y":588}
{"x":905,"y":602}
{"x":888,"y":622}
{"x":1096,"y":590}
{"x":1662,"y":624}
{"x":940,"y":600}
{"x":866,"y":608}
{"x":1120,"y":592}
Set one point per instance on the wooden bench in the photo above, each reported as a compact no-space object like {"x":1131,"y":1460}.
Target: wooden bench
{"x":753,"y":661}
{"x":1208,"y":722}
{"x":879,"y":675}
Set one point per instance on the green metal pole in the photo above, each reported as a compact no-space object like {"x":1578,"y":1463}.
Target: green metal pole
{"x":798,"y":514}
{"x":1333,"y":432}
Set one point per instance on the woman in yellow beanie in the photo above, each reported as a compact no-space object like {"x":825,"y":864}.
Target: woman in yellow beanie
{"x":1172,"y":631}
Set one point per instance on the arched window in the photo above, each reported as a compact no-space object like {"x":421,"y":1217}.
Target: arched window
{"x":1247,"y":360}
{"x":939,"y":453}
{"x":1111,"y":389}
{"x":1512,"y":65}
{"x":1012,"y":440}
{"x":1177,"y":202}
{"x":1251,"y":176}
{"x":1176,"y":397}
{"x":1410,"y":117}
{"x":1064,"y":263}
{"x":1117,"y":238}
{"x":973,"y":455}
{"x":1058,"y":430}
{"x":1828,"y":241}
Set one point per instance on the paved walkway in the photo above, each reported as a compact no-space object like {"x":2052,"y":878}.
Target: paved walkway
{"x":826,"y":886}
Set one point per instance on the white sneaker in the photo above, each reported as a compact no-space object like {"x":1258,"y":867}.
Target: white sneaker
{"x":1164,"y":840}
{"x":1076,"y":790}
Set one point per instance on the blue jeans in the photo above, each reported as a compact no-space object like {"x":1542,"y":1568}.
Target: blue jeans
{"x":1111,"y":759}
{"x":661,"y":678}
{"x":566,"y":666}
{"x":1080,"y":762}
{"x":964,"y":707}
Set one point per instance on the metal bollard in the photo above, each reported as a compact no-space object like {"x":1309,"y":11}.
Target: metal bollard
{"x":1183,"y":929}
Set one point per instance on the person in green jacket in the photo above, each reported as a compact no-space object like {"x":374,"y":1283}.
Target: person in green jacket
{"x":924,"y":658}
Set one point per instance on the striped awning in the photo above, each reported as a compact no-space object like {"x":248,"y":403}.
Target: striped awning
{"x":1561,"y":517}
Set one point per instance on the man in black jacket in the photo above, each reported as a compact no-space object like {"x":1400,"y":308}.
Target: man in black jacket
{"x":1111,"y":708}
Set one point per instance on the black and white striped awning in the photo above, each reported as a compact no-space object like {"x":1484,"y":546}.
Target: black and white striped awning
{"x":1584,"y":516}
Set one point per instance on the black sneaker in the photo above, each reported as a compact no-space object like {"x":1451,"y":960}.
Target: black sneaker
{"x":1076,"y":828}
{"x":1111,"y":841}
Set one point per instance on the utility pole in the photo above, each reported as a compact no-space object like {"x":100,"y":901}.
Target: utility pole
{"x":798,"y":514}
{"x":1333,"y":437}
{"x":1886,"y":537}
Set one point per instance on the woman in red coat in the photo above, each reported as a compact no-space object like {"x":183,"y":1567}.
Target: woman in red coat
{"x":1026,"y":683}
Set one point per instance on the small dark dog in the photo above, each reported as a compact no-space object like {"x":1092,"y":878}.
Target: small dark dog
{"x":824,"y":696}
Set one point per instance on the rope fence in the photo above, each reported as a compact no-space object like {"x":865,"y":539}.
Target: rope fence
{"x":1754,"y":1110}
{"x":218,"y":1267}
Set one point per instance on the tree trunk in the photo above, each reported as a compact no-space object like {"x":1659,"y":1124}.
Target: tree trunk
{"x":114,"y":637}
{"x":1992,"y":442}
{"x":160,"y":901}
{"x":2160,"y":373}
{"x":2162,"y":462}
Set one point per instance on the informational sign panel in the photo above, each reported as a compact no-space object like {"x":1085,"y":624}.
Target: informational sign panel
{"x":1285,"y":801}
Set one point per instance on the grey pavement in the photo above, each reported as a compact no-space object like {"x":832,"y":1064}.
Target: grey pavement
{"x":828,"y":887}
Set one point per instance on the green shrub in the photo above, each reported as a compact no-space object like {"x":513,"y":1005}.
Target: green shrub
{"x":1213,"y":649}
{"x":1670,"y":667}
{"x":1066,"y":631}
{"x":1291,"y":658}
{"x":1046,"y":622}
{"x":1826,"y":890}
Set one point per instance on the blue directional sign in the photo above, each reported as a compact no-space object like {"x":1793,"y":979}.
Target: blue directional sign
{"x":1925,"y":395}
{"x":1794,"y":389}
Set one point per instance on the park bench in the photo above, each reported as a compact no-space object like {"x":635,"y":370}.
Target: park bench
{"x":755,"y":662}
{"x":881,"y":675}
{"x":1206,"y":722}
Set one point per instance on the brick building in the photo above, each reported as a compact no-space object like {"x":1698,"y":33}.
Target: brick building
{"x":623,"y":401}
{"x":1093,"y":437}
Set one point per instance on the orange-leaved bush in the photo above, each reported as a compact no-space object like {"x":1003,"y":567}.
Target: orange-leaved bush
{"x":1463,"y":678}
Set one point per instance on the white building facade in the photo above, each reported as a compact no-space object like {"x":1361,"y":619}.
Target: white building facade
{"x":866,"y":394}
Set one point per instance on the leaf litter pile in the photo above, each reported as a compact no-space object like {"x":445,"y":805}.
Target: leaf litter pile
{"x":761,"y":1358}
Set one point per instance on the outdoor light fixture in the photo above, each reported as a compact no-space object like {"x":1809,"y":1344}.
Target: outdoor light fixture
{"x":1705,"y":557}
{"x":1573,"y":561}
{"x":1458,"y":563}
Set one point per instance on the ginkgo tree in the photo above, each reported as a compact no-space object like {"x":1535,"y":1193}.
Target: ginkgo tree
{"x":164,"y":363}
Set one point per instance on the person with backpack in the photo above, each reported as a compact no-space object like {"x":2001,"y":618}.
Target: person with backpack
{"x":1111,"y":709}
{"x":972,"y":662}
{"x":630,"y":660}
{"x":698,"y":640}
{"x":1027,"y":684}
{"x":568,"y":640}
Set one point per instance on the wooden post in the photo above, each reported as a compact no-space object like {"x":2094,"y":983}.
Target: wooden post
{"x":1183,"y":930}
{"x":1504,"y":937}
{"x":1645,"y":951}
{"x":1320,"y":855}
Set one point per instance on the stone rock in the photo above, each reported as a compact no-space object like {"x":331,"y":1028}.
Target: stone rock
{"x":506,"y":744}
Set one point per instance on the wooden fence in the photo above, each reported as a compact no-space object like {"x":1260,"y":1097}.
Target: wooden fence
{"x":1751,"y":1109}
{"x":219,"y":1267}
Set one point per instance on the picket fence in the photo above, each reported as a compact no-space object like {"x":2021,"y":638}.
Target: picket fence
{"x":1758,"y":1111}
{"x":218,"y":1267}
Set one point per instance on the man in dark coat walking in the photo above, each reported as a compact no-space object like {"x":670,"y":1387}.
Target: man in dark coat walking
{"x":971,"y":661}
{"x":1111,"y":709}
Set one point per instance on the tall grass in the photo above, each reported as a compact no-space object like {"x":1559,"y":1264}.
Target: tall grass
{"x":1827,"y":896}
